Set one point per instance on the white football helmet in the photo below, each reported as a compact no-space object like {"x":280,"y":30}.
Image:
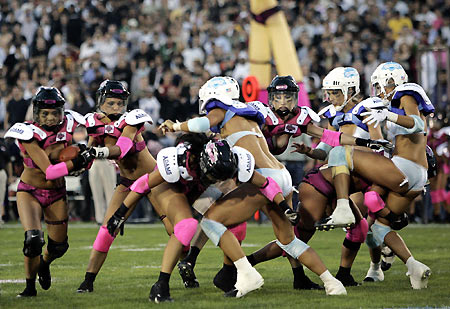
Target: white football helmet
{"x":222,"y":88}
{"x":383,"y":73}
{"x":342,"y":78}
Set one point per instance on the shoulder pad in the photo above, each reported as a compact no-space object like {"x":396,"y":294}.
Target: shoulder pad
{"x":90,"y":120}
{"x":236,"y":104}
{"x":306,"y":111}
{"x":77,"y":116}
{"x":20,"y":131}
{"x":372,"y":102}
{"x":442,"y":150}
{"x":41,"y":133}
{"x":137,"y":116}
{"x":259,"y":106}
{"x":328,"y":111}
{"x":413,"y":87}
{"x":121,"y":123}
{"x":443,"y":131}
{"x":167,"y":161}
{"x":246,"y":163}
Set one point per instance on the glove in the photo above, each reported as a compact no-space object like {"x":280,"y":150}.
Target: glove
{"x":99,"y":152}
{"x":373,"y":144}
{"x":377,"y":116}
{"x":117,"y":220}
{"x":83,"y":159}
{"x":114,"y":223}
{"x":292,"y":216}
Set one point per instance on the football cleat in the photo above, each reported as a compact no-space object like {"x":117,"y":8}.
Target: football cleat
{"x":342,"y":216}
{"x":306,"y":284}
{"x":245,"y":283}
{"x":160,"y":293}
{"x":225,"y":279}
{"x":334,"y":287}
{"x":45,"y":279}
{"x":347,"y":280}
{"x":27,"y":293}
{"x":375,"y":273}
{"x":186,"y":270}
{"x":418,"y":275}
{"x":86,"y":286}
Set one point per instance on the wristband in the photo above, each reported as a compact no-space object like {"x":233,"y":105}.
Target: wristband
{"x":101,"y":152}
{"x":176,"y":126}
{"x":392,"y":117}
{"x":331,"y":138}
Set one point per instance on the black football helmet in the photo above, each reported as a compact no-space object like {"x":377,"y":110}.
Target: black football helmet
{"x":111,"y":89}
{"x":217,"y":162}
{"x":283,"y":85}
{"x":48,"y":98}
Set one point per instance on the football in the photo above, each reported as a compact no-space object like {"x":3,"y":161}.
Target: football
{"x":68,"y":153}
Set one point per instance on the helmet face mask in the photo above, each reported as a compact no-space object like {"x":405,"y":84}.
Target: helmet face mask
{"x":222,"y":88}
{"x":217,"y":162}
{"x":48,"y":108}
{"x":340,"y":79}
{"x":112,"y":98}
{"x":283,"y":95}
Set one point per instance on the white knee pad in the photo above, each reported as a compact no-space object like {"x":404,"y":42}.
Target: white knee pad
{"x":371,"y":241}
{"x":213,"y":229}
{"x":380,"y":231}
{"x":295,"y":248}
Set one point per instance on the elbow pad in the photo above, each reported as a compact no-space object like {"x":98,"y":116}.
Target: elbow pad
{"x":418,"y":127}
{"x":198,"y":125}
{"x":125,"y":144}
{"x":56,"y":171}
{"x":270,"y":188}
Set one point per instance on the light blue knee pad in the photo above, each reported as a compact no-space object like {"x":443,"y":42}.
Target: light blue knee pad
{"x":380,"y":231}
{"x":213,"y":229}
{"x":336,"y":157}
{"x":295,"y":248}
{"x":371,"y":242}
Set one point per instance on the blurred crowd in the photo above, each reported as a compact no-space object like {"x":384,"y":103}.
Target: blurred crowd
{"x":166,"y":49}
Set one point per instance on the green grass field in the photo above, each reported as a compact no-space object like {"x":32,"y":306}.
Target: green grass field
{"x":133,"y":266}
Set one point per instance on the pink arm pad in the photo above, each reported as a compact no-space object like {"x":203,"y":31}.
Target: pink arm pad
{"x":125,"y":144}
{"x":56,"y":171}
{"x":141,"y":185}
{"x":270,"y":189}
{"x":373,"y":201}
{"x":331,"y":138}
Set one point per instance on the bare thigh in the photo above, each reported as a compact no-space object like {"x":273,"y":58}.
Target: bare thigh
{"x":30,"y":211}
{"x":120,"y":193}
{"x":171,"y":201}
{"x":312,"y":205}
{"x":378,"y":169}
{"x":57,"y":211}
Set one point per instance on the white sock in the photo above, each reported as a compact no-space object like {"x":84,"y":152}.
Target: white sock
{"x":243,"y":264}
{"x":410,"y":262}
{"x":342,"y":202}
{"x":326,"y":276}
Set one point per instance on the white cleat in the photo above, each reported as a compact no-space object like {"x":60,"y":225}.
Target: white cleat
{"x":246,"y":282}
{"x":418,"y":275}
{"x":374,"y":273}
{"x":342,"y":216}
{"x":334,"y":287}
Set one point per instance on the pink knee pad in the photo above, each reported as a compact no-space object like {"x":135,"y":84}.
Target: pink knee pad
{"x":446,"y":168}
{"x":103,"y":240}
{"x":240,"y":231}
{"x":373,"y":201}
{"x":141,"y":185}
{"x":185,"y":230}
{"x":435,"y":197}
{"x":359,"y":232}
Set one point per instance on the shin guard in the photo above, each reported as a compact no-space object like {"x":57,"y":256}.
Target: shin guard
{"x":103,"y":240}
{"x":185,"y":230}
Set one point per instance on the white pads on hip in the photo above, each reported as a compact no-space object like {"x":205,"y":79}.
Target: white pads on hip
{"x":246,"y":163}
{"x":167,"y":161}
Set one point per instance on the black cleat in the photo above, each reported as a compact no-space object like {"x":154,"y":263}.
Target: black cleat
{"x":86,"y":286}
{"x":347,"y":280}
{"x":231,"y":293}
{"x":327,"y":224}
{"x":27,"y":293}
{"x":186,"y":270}
{"x":45,"y":279}
{"x":160,"y":293}
{"x":306,"y":284}
{"x":225,"y":279}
